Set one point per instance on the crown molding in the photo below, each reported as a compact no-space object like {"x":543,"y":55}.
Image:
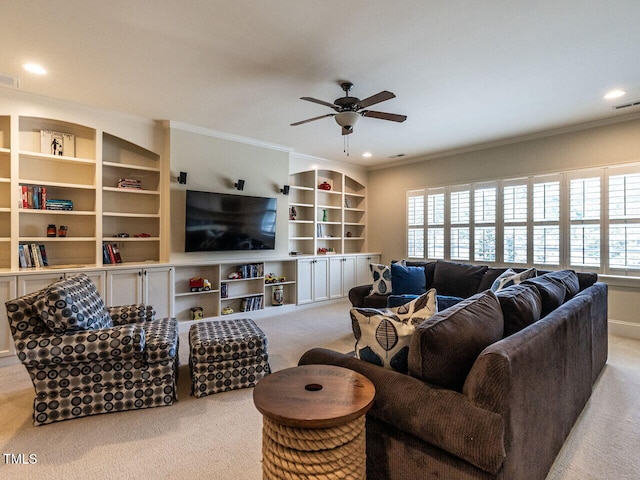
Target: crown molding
{"x":512,"y":140}
{"x":185,"y":127}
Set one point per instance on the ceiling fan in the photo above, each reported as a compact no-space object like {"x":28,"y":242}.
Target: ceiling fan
{"x":350,"y":109}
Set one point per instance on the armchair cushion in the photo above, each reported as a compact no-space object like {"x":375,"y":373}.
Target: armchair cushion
{"x":114,"y":343}
{"x":125,"y":314}
{"x":72,"y":304}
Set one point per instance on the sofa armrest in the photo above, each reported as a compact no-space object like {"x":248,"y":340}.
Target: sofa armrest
{"x":440,"y":417}
{"x":87,"y":346}
{"x":358,"y":294}
{"x":137,"y":312}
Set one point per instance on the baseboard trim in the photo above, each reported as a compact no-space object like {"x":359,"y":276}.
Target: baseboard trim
{"x":624,"y":329}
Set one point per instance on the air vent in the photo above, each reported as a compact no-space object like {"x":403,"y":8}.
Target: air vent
{"x":9,"y":81}
{"x":400,"y":155}
{"x":626,"y":105}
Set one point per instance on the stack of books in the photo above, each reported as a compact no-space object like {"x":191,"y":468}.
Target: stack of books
{"x":111,"y":253}
{"x":252,"y":270}
{"x":251,"y":303}
{"x":129,"y":183}
{"x":32,"y":256}
{"x":32,"y":196}
{"x":54,"y":204}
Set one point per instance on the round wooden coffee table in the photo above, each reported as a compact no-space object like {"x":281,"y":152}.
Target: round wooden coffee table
{"x":313,"y":422}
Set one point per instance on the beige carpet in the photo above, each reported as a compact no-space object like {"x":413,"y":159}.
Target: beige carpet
{"x":219,"y":436}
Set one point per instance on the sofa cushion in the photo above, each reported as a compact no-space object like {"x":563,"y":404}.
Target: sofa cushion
{"x":429,"y":270}
{"x":569,"y":279}
{"x":510,"y":277}
{"x":383,"y":335}
{"x":521,"y":306}
{"x":457,"y":279}
{"x":551,"y":291}
{"x":489,"y":277}
{"x":407,"y":280}
{"x":72,"y":304}
{"x":381,"y":279}
{"x":444,"y":347}
{"x":442,"y":301}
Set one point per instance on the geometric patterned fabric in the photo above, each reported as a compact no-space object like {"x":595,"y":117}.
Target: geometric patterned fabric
{"x":383,"y":335}
{"x":226,"y":355}
{"x":129,"y":365}
{"x":72,"y":303}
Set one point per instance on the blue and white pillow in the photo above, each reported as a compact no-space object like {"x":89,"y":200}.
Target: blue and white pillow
{"x":381,"y":278}
{"x":510,"y":277}
{"x":383,"y":335}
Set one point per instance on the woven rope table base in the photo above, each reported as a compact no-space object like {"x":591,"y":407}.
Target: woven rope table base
{"x":313,"y":453}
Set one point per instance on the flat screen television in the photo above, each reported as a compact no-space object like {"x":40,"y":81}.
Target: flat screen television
{"x":223,"y":222}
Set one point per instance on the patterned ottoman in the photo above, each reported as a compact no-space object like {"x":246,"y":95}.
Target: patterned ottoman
{"x":226,"y":355}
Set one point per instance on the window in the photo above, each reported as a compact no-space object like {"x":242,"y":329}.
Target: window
{"x":585,"y":219}
{"x":484,"y":217}
{"x":515,"y":206}
{"x":435,"y":222}
{"x":415,"y":214}
{"x":460,"y":211}
{"x":624,"y":218}
{"x":546,"y":222}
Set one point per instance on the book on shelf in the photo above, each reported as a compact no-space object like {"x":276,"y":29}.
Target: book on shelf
{"x":58,"y":204}
{"x":32,"y":196}
{"x":129,"y":183}
{"x":32,"y":256}
{"x":252,"y":270}
{"x":111,"y":253}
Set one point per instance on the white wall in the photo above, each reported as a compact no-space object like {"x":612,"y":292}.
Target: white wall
{"x":214,"y":163}
{"x":608,"y":144}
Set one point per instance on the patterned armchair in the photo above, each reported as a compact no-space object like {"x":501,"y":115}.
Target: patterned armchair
{"x":85,"y":359}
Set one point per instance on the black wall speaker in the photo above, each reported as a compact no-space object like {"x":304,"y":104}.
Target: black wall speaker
{"x":182,"y":178}
{"x":240,"y":184}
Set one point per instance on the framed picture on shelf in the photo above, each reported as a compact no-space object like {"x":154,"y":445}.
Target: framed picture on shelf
{"x":347,"y":203}
{"x":57,"y":143}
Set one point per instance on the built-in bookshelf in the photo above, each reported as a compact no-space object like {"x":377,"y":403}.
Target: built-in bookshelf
{"x":327,"y":213}
{"x":62,"y":175}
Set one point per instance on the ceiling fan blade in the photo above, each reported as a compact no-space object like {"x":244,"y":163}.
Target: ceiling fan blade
{"x":321,"y":102}
{"x":312,"y":119}
{"x":384,"y":116}
{"x":377,"y":98}
{"x":347,"y":131}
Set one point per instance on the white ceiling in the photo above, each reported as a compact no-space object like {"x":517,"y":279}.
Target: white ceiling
{"x":464,"y":72}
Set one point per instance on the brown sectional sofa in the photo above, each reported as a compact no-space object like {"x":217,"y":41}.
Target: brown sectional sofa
{"x":502,"y":408}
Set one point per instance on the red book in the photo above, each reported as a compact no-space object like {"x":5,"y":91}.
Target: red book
{"x":110,"y":252}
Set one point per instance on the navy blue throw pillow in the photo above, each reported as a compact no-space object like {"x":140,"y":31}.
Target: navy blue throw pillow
{"x":407,"y":280}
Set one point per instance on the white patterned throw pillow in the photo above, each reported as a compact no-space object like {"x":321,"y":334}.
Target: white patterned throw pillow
{"x":510,"y":277}
{"x":381,"y":278}
{"x":383,"y":335}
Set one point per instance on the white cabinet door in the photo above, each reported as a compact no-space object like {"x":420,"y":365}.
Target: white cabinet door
{"x":32,"y":283}
{"x":305,"y":281}
{"x":342,"y":275}
{"x":124,"y":287}
{"x":8,"y":291}
{"x":363,"y":272}
{"x":349,"y":274}
{"x":313,"y":280}
{"x":321,"y":279}
{"x":336,"y":265}
{"x":158,"y":290}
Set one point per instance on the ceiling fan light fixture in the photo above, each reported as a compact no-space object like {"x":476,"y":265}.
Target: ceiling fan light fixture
{"x":347,"y":119}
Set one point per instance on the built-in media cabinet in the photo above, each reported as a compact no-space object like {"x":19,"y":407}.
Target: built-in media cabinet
{"x":107,"y":194}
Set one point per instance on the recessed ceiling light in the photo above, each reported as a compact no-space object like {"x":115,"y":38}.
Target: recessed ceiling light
{"x":614,"y":94}
{"x":367,"y":155}
{"x":34,"y":68}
